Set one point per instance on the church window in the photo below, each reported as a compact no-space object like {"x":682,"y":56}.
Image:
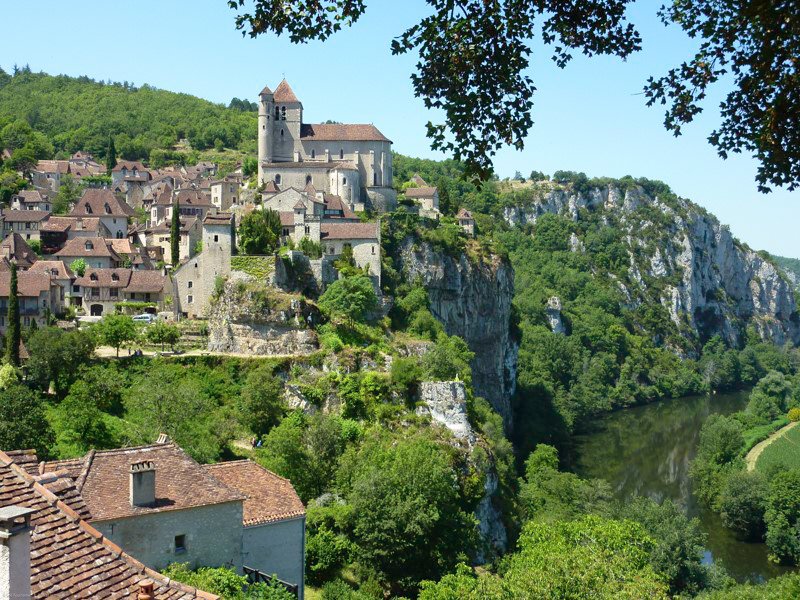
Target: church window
{"x":281,"y":132}
{"x":344,"y":180}
{"x":374,"y":179}
{"x":341,"y":153}
{"x":277,"y":113}
{"x":216,"y":238}
{"x":373,"y":249}
{"x":283,"y":113}
{"x":278,"y":179}
{"x":308,"y":179}
{"x":87,"y":208}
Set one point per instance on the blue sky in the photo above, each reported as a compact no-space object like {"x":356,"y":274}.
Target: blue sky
{"x":588,"y":117}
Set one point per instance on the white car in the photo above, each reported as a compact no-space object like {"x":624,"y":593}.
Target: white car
{"x":145,"y":318}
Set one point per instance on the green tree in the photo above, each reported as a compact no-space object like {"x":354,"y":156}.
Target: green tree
{"x":782,"y":517}
{"x":261,"y":404}
{"x":448,"y":359}
{"x":69,"y":191}
{"x":175,"y":235}
{"x":226,"y":583}
{"x":78,"y":266}
{"x":351,"y":297}
{"x":163,"y":333}
{"x":742,"y":504}
{"x":78,"y":423}
{"x":259,"y":232}
{"x":111,"y":156}
{"x":116,"y":330}
{"x":56,"y":357}
{"x":23,"y":423}
{"x":13,"y":331}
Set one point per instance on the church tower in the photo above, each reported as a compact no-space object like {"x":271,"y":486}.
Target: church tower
{"x":266,"y":106}
{"x":288,"y":112}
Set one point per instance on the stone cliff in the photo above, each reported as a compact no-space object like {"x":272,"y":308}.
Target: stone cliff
{"x":709,"y":282}
{"x":472,"y":299}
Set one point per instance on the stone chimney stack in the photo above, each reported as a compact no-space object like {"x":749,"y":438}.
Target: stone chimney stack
{"x":143,"y":483}
{"x":15,"y":552}
{"x":146,"y":591}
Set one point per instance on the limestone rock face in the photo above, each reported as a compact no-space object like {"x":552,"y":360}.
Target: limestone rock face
{"x":473,"y":301}
{"x":710,"y":283}
{"x":446,"y":403}
{"x":241,"y":323}
{"x":553,"y":313}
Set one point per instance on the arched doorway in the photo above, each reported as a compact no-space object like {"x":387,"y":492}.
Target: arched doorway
{"x":96,"y":310}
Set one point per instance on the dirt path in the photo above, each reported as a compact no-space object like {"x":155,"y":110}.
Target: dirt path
{"x":109,"y":352}
{"x":755,"y":452}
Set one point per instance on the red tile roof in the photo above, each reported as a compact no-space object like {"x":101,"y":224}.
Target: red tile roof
{"x":53,"y":166}
{"x":53,"y":268}
{"x":271,"y":187}
{"x":129,"y":165}
{"x":70,"y":559}
{"x":97,"y":199}
{"x":180,"y":482}
{"x":463,"y":213}
{"x":104,"y":278}
{"x":87,"y":246}
{"x":421,"y":192}
{"x":348,"y":231}
{"x":18,"y":250}
{"x":268,"y":497}
{"x":147,"y":281}
{"x":284,"y":94}
{"x":335,"y":132}
{"x":63,"y":224}
{"x":29,"y":285}
{"x":25,"y":216}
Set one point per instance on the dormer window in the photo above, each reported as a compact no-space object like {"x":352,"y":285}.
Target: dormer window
{"x":87,"y":208}
{"x":114,"y":277}
{"x":93,"y":277}
{"x":344,"y":180}
{"x":88,"y":246}
{"x":107,"y":208}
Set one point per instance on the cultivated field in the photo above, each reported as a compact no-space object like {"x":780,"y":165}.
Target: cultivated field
{"x":785,"y":450}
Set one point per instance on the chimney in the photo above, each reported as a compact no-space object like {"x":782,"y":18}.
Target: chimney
{"x":143,"y":483}
{"x":15,"y":552}
{"x":146,"y":590}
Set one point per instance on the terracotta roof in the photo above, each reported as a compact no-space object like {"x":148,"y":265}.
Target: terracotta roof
{"x":104,"y":278}
{"x":25,"y":216}
{"x":348,"y":231}
{"x":54,"y":268}
{"x":166,"y":226}
{"x":147,"y":281}
{"x":299,"y":204}
{"x":32,"y":196}
{"x":421,"y":192}
{"x":26,"y":459}
{"x":193,"y":198}
{"x":266,"y":90}
{"x":333,"y":202}
{"x":311,"y":165}
{"x":97,"y":199}
{"x":271,"y":187}
{"x":88,"y":246}
{"x":287,"y":218}
{"x":129,"y":165}
{"x":19,"y":250}
{"x":284,"y":94}
{"x":310,"y":190}
{"x":53,"y":166}
{"x":463,"y":213}
{"x":70,"y":559}
{"x":417,"y":178}
{"x":268,"y":497}
{"x":180,"y":482}
{"x":29,"y":285}
{"x":335,"y":132}
{"x":62,"y":224}
{"x":122,"y":246}
{"x":218,"y":219}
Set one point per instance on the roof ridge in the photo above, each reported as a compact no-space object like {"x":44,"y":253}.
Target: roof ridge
{"x":73,"y":516}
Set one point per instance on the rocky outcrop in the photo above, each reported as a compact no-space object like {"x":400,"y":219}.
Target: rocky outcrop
{"x":553,"y":313}
{"x":710,"y":283}
{"x":472,"y":299}
{"x":260,"y":322}
{"x":445,"y":402}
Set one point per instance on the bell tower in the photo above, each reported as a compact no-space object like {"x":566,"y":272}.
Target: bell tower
{"x":266,"y":108}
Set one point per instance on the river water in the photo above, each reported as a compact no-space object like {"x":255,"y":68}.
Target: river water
{"x":646,"y":450}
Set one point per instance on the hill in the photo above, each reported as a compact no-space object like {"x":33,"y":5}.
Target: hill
{"x":78,"y":113}
{"x":791,"y":267}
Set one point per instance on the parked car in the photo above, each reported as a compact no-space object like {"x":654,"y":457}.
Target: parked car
{"x":145,"y":318}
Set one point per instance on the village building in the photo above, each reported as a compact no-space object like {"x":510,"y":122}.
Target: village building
{"x":191,"y":203}
{"x":51,"y":552}
{"x":86,"y":162}
{"x":27,"y":223}
{"x":195,"y":279}
{"x":31,"y":200}
{"x":466,"y":221}
{"x":58,"y":230}
{"x":225,"y":192}
{"x":351,"y":161}
{"x":424,"y":196}
{"x":100,"y":290}
{"x":161,"y":506}
{"x":62,"y":276}
{"x":129,"y":170}
{"x":15,"y":249}
{"x":103,"y":204}
{"x":97,"y":252}
{"x":38,"y":296}
{"x":190,"y":234}
{"x":49,"y":173}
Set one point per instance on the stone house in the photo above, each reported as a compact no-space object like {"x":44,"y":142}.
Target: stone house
{"x":86,"y":161}
{"x":61,"y":275}
{"x":160,"y":505}
{"x":352,"y":161}
{"x":58,"y":230}
{"x":190,"y":234}
{"x":51,"y":552}
{"x":15,"y":248}
{"x":100,"y":290}
{"x":27,"y":223}
{"x":466,"y":221}
{"x":129,"y":170}
{"x":97,"y":252}
{"x":362,"y":238}
{"x":49,"y":173}
{"x":38,"y":296}
{"x":225,"y":192}
{"x":104,"y":205}
{"x":31,"y":200}
{"x":425,"y":197}
{"x":191,"y":203}
{"x":194,"y":281}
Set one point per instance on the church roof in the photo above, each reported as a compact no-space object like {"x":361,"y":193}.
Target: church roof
{"x":335,"y":132}
{"x":284,"y":93}
{"x":266,"y":91}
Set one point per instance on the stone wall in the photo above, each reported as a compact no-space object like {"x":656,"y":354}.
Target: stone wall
{"x":277,"y":548}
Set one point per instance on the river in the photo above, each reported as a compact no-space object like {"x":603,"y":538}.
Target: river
{"x":646,"y":450}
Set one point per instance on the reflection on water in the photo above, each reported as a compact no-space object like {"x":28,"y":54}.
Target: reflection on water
{"x":647,"y":450}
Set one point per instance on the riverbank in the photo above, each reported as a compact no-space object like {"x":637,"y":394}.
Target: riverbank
{"x":754,"y":454}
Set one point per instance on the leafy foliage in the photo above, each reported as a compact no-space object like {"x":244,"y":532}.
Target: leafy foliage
{"x":259,"y":232}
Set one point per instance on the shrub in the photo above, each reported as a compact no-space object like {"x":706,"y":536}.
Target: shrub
{"x":794,"y":414}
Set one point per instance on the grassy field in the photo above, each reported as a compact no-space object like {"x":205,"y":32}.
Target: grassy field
{"x":783,"y":451}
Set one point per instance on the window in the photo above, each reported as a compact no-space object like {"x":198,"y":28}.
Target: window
{"x":281,"y":132}
{"x":189,"y":285}
{"x":113,"y":292}
{"x":277,"y":113}
{"x":87,"y":208}
{"x":308,"y":179}
{"x":373,"y":249}
{"x":189,"y":300}
{"x":107,"y":208}
{"x":341,"y":153}
{"x":93,"y":276}
{"x":180,"y":544}
{"x":278,"y":179}
{"x":216,"y":238}
{"x":308,"y":229}
{"x":374,"y":179}
{"x":283,"y":113}
{"x":344,"y":180}
{"x":27,"y":225}
{"x":114,"y":277}
{"x":88,"y":246}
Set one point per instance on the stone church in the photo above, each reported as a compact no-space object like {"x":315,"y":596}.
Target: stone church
{"x":353,"y":162}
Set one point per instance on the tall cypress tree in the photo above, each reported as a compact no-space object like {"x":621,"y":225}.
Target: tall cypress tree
{"x":111,"y":156}
{"x":13,"y":330}
{"x":175,"y":235}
